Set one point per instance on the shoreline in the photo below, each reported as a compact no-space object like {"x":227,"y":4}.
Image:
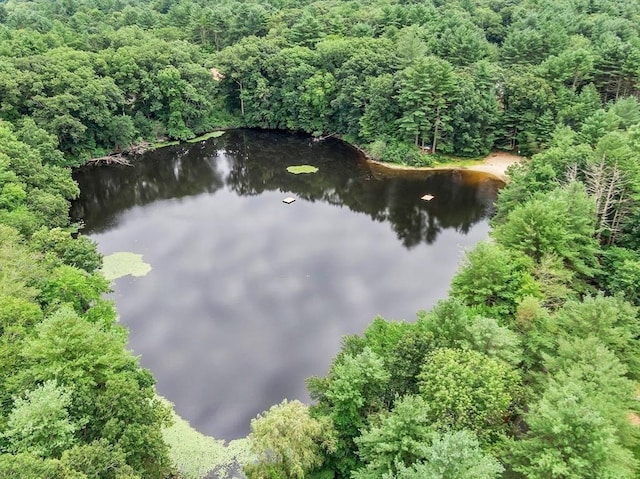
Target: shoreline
{"x":495,"y":164}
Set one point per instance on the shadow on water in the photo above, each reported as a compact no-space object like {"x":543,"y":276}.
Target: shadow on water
{"x":256,"y":161}
{"x":247,"y":296}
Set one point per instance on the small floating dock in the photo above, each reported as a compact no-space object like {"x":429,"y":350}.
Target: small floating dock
{"x":427,"y":197}
{"x":288,"y":200}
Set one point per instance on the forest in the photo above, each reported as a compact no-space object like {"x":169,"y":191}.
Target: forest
{"x":529,"y":369}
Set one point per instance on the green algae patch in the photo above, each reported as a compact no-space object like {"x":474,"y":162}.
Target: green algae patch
{"x":161,"y":144}
{"x":196,"y":456}
{"x":300,"y":169}
{"x":213,"y":134}
{"x":120,"y":264}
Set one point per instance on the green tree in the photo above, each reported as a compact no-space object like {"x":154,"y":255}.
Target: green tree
{"x":493,"y":279}
{"x":113,"y":398}
{"x":425,"y":91}
{"x":453,"y":455}
{"x":399,"y":437}
{"x":353,"y":390}
{"x":612,"y":320}
{"x":288,"y":442}
{"x":560,"y":223}
{"x":568,"y":438}
{"x":468,"y":390}
{"x":39,"y":423}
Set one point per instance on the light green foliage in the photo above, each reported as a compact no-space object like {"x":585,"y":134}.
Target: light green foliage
{"x":117,"y":265}
{"x":28,"y":466}
{"x":34,"y":193}
{"x":79,"y":251}
{"x":399,"y":437}
{"x":569,"y":438}
{"x":39,"y":423}
{"x":68,"y":284}
{"x":622,"y":273}
{"x":453,"y":455}
{"x":468,"y":390}
{"x":299,"y":169}
{"x":559,"y":223}
{"x":12,"y":196}
{"x":453,"y":325}
{"x":538,"y":331}
{"x":602,"y":376}
{"x":610,"y":319}
{"x":493,"y":279}
{"x":486,"y":336}
{"x":287,"y":442}
{"x":19,"y":268}
{"x":447,"y":322}
{"x":99,"y":460}
{"x":196,"y":456}
{"x":112,"y":399}
{"x":354,"y":389}
{"x":555,"y":281}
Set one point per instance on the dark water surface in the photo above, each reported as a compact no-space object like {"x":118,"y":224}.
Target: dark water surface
{"x":248,"y":296}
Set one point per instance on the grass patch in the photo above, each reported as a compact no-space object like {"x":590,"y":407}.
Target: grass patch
{"x":120,"y":264}
{"x":206,"y":136}
{"x":457,"y":162}
{"x":302,"y":169}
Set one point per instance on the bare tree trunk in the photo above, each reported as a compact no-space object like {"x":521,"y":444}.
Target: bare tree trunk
{"x":435,"y":130}
{"x":607,"y":187}
{"x":241,"y":99}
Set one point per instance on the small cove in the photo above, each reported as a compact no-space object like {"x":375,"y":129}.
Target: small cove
{"x":248,"y":296}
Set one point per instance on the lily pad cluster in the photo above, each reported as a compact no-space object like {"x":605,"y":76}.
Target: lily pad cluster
{"x":120,"y":264}
{"x":300,"y":169}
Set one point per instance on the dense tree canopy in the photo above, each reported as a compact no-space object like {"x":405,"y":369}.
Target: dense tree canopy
{"x":529,"y":367}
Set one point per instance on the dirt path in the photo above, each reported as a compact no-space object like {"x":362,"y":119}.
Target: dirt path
{"x":495,"y":164}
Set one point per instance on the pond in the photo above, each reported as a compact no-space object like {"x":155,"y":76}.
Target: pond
{"x":249,"y":296}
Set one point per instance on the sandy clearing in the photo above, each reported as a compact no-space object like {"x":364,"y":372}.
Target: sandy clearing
{"x":495,"y":164}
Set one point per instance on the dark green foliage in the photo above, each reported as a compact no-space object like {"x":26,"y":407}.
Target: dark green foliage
{"x":557,"y":80}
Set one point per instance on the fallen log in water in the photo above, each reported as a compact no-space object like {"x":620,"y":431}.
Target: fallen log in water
{"x":117,"y":159}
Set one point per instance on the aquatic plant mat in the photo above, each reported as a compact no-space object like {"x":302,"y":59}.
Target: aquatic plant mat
{"x":197,"y":456}
{"x":300,"y":169}
{"x":122,"y":263}
{"x":206,"y":136}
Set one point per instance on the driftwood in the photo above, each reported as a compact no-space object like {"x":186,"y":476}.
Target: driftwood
{"x":120,"y":158}
{"x":322,"y":138}
{"x":117,"y":159}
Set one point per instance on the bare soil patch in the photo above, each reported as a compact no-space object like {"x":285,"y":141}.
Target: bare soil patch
{"x":495,"y":164}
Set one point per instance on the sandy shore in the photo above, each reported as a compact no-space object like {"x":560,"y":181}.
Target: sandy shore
{"x":495,"y":164}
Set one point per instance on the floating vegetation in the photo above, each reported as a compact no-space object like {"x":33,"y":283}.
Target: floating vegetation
{"x":206,"y":136}
{"x":196,"y":456}
{"x":120,"y":264}
{"x":298,"y":169}
{"x":161,"y":144}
